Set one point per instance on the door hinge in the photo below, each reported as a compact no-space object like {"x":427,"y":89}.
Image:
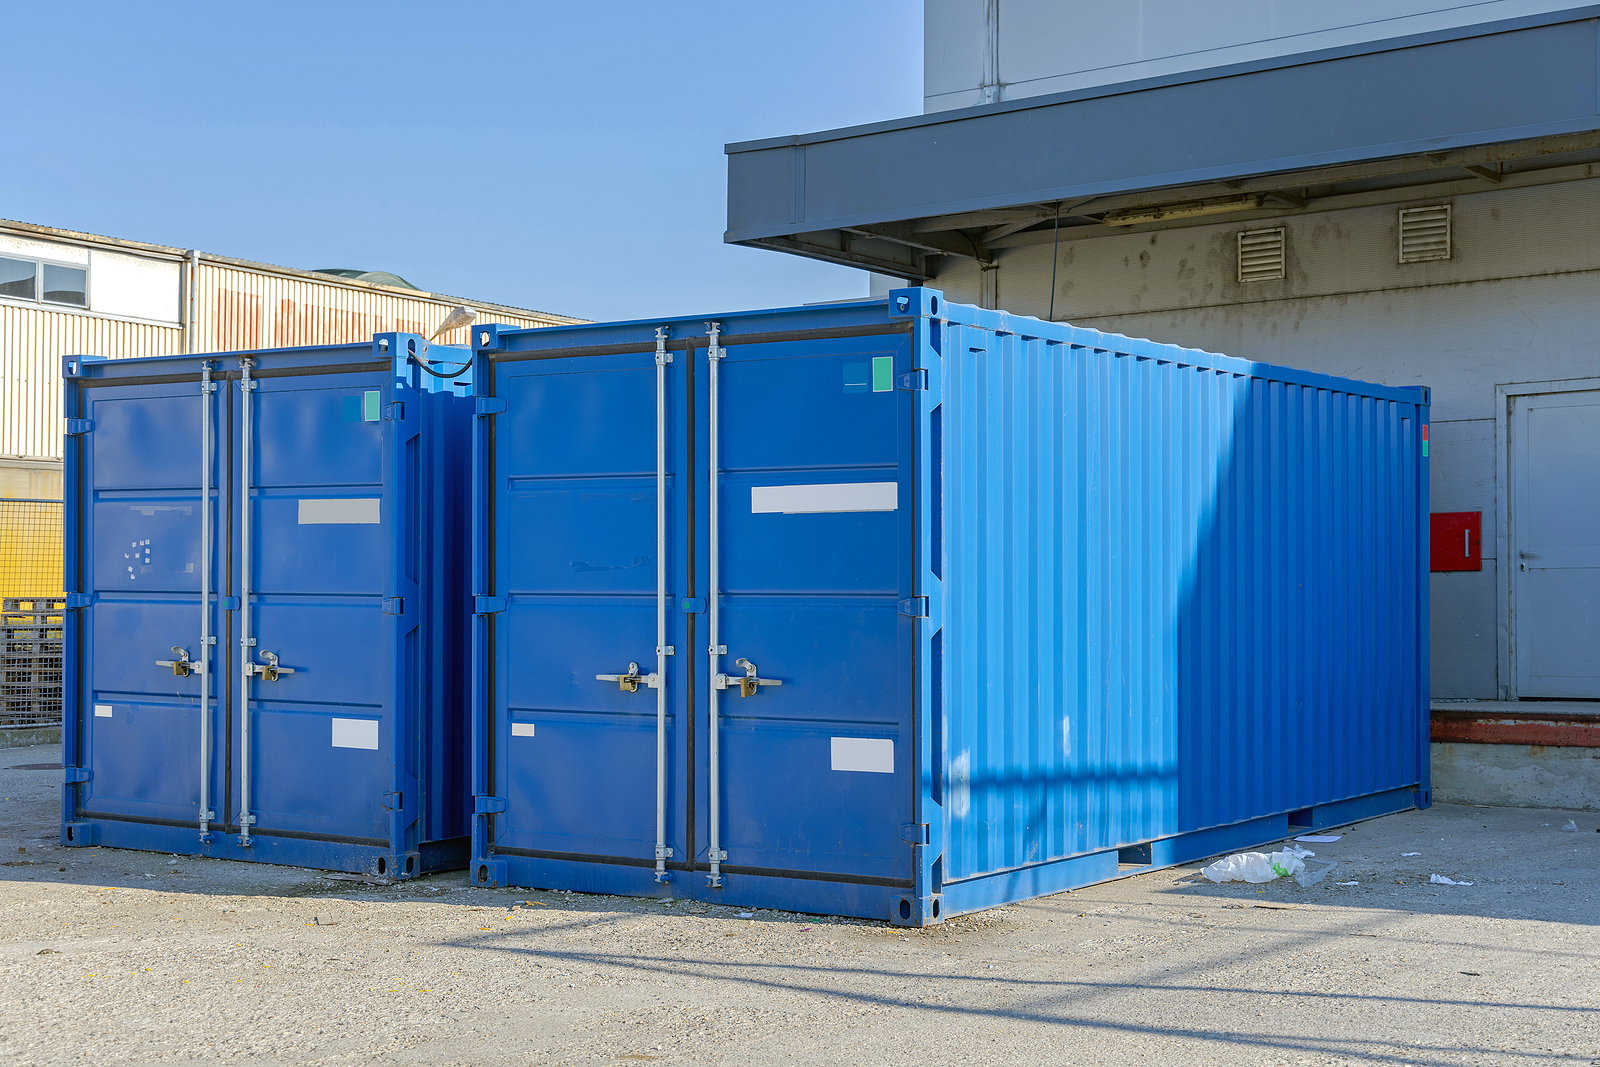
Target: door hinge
{"x":76,"y":426}
{"x":79,"y":600}
{"x":694,"y":605}
{"x":488,"y":605}
{"x":396,"y":411}
{"x":76,"y":774}
{"x":230,"y":603}
{"x":488,"y":805}
{"x":917,"y":379}
{"x":394,"y":605}
{"x":390,"y":801}
{"x":488,"y":405}
{"x":916,"y":607}
{"x":914,"y":832}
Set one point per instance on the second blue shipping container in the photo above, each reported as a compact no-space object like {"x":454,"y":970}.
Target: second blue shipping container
{"x":903,"y":609}
{"x":265,"y":644}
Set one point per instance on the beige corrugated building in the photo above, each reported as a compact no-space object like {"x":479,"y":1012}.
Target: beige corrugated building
{"x":66,"y":293}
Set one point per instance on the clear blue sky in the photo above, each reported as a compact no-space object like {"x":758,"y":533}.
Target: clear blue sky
{"x":565,"y":157}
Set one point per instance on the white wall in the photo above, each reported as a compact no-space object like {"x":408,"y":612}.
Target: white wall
{"x":1516,"y":303}
{"x":121,"y":284}
{"x":1052,"y":46}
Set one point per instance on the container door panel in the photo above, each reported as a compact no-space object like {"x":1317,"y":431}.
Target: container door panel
{"x":815,"y":533}
{"x":142,"y":538}
{"x":575,"y":555}
{"x":323,"y":520}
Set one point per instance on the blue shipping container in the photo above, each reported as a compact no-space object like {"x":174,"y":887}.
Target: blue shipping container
{"x":267,"y":627}
{"x":902,"y":609}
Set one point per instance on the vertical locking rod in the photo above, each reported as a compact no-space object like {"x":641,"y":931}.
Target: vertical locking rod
{"x":662,"y":359}
{"x":714,"y":610}
{"x":208,"y":389}
{"x":246,"y":642}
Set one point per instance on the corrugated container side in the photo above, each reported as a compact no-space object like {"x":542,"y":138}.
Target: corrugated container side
{"x":1177,"y":596}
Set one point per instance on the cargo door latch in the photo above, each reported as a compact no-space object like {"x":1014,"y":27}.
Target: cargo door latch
{"x":183,"y":666}
{"x":629,"y":683}
{"x":749,"y":685}
{"x":486,"y":805}
{"x":269,"y":671}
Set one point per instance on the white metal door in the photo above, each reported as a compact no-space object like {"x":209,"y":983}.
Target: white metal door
{"x":1555,"y":544}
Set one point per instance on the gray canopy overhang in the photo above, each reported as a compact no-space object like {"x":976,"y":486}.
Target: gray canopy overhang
{"x":1510,"y":102}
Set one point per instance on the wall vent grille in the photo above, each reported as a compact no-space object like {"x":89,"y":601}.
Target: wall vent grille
{"x":1424,"y":233}
{"x":1261,"y":255}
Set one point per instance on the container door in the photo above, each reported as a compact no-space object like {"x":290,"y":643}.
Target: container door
{"x":814,"y":531}
{"x":1555,"y":544}
{"x":577,"y":550}
{"x":317,"y":514}
{"x":143,"y":523}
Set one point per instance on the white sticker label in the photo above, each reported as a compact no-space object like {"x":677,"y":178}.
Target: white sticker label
{"x":362,"y":511}
{"x":874,"y":754}
{"x":522,"y":729}
{"x":816,"y":499}
{"x":102,"y":711}
{"x":355,"y":733}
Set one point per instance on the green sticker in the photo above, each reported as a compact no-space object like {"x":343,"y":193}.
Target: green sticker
{"x":369,"y":406}
{"x":882,"y":374}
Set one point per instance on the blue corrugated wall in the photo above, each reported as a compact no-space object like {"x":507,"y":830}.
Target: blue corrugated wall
{"x":1180,"y":591}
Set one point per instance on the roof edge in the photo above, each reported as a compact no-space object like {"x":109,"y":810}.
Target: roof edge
{"x":1389,"y":44}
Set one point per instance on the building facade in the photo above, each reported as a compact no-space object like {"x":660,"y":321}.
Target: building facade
{"x":1341,"y":190}
{"x":65,"y":293}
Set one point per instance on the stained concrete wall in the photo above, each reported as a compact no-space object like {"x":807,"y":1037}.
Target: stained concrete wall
{"x":1517,"y":776}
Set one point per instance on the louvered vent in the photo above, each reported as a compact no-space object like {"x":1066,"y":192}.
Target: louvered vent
{"x":1261,"y":255}
{"x":1424,"y":233}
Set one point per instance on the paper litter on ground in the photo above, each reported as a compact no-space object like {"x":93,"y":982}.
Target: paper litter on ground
{"x":1347,"y":883}
{"x":1440,"y":879}
{"x":1410,"y":853}
{"x":1319,"y":839}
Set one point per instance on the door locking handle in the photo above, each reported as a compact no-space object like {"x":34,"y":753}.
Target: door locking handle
{"x":629,"y":683}
{"x":183,"y":666}
{"x":269,"y":671}
{"x":748,"y":686}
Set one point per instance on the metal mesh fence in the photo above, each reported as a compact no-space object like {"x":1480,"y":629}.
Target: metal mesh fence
{"x":31,"y":606}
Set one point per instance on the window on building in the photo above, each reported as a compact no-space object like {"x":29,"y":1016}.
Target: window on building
{"x":51,"y":283}
{"x":17,"y":278}
{"x":66,"y":285}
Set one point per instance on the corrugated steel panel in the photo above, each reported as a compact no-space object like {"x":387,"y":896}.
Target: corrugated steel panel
{"x":32,"y":344}
{"x":1181,"y":591}
{"x":244,"y":309}
{"x":1045,"y":604}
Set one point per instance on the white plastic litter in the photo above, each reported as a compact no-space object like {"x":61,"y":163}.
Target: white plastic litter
{"x":1440,"y":879}
{"x":1410,"y":853}
{"x":1319,"y":839}
{"x":1308,"y":878}
{"x":1258,"y":866}
{"x":747,"y":915}
{"x":1572,"y":824}
{"x":1347,"y":883}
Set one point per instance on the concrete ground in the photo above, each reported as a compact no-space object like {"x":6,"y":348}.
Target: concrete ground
{"x":127,"y":957}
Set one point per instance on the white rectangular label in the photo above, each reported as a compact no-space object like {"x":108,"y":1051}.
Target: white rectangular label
{"x":355,"y":733}
{"x":874,"y":754}
{"x":814,"y":499}
{"x":350,"y":511}
{"x":522,"y":729}
{"x":102,"y":711}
